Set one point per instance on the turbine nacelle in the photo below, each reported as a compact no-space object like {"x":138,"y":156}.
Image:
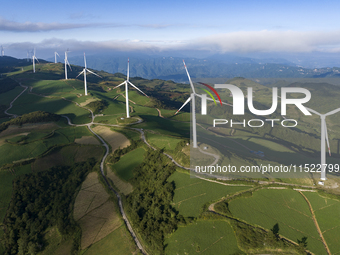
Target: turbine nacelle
{"x":127,"y":83}
{"x":84,"y":72}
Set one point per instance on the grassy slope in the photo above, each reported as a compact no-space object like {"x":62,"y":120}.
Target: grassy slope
{"x":327,"y":213}
{"x":285,"y":207}
{"x":208,"y":237}
{"x":125,"y":166}
{"x":192,"y":193}
{"x":116,"y":243}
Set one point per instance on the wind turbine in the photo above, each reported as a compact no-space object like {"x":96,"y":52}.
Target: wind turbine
{"x":127,"y":82}
{"x":34,"y":58}
{"x":204,"y":99}
{"x":84,"y":71}
{"x":66,"y":63}
{"x":55,"y":57}
{"x":2,"y":51}
{"x":324,"y":138}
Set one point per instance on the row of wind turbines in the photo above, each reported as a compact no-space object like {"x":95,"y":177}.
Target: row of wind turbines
{"x":193,"y":95}
{"x":324,"y":134}
{"x":85,"y":70}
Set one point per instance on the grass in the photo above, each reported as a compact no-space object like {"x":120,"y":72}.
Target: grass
{"x":15,"y":152}
{"x":192,"y":193}
{"x":327,"y":213}
{"x":124,"y":168}
{"x":55,"y":243}
{"x":116,"y":243}
{"x":123,"y":186}
{"x":27,"y":103}
{"x":115,"y":139}
{"x":207,"y":237}
{"x":67,"y":155}
{"x":95,"y":213}
{"x":164,"y":126}
{"x":7,"y":97}
{"x":161,"y":141}
{"x":49,"y":87}
{"x":286,"y":207}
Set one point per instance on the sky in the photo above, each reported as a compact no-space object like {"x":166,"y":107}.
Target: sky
{"x":242,"y":26}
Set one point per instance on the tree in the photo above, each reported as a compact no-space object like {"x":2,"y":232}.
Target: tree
{"x":276,"y":230}
{"x":303,"y":242}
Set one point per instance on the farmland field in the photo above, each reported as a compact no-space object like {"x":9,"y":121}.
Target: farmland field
{"x":327,"y":212}
{"x":94,"y":211}
{"x":192,"y":193}
{"x":125,"y":166}
{"x":207,"y":237}
{"x":116,"y":243}
{"x":266,"y":207}
{"x":162,"y":141}
{"x":115,"y":139}
{"x":36,"y":146}
{"x":27,"y":103}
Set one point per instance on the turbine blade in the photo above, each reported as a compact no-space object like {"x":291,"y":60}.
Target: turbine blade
{"x":93,"y":73}
{"x":36,"y":59}
{"x":188,"y":100}
{"x":326,"y":133}
{"x":192,"y":85}
{"x":57,"y":54}
{"x":68,"y":64}
{"x":80,"y":73}
{"x":85,"y":60}
{"x":128,"y":70}
{"x":311,"y":110}
{"x":333,"y":112}
{"x":120,"y":85}
{"x":137,"y":89}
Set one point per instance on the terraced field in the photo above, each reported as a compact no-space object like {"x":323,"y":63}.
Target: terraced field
{"x":206,"y":237}
{"x":267,"y":207}
{"x":192,"y":193}
{"x":327,"y":212}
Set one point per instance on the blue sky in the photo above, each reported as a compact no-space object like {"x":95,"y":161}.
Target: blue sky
{"x":217,"y":26}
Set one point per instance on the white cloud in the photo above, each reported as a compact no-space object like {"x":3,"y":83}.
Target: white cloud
{"x":270,"y":41}
{"x":13,"y":26}
{"x":7,"y":25}
{"x":244,"y":41}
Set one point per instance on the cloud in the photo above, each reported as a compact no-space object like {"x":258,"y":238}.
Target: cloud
{"x":270,"y":41}
{"x":243,"y":41}
{"x":6,"y":25}
{"x":13,"y":26}
{"x":76,"y":45}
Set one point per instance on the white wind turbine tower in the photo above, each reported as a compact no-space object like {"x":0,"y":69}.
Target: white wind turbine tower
{"x":324,"y":138}
{"x":2,"y":51}
{"x":204,"y":99}
{"x":66,"y":63}
{"x":55,"y":57}
{"x":34,"y":58}
{"x":127,"y":82}
{"x":84,"y":71}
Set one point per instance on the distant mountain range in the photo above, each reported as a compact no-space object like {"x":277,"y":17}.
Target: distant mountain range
{"x":171,"y":68}
{"x":224,"y":66}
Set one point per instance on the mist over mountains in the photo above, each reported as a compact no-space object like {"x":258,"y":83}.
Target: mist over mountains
{"x":167,"y":67}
